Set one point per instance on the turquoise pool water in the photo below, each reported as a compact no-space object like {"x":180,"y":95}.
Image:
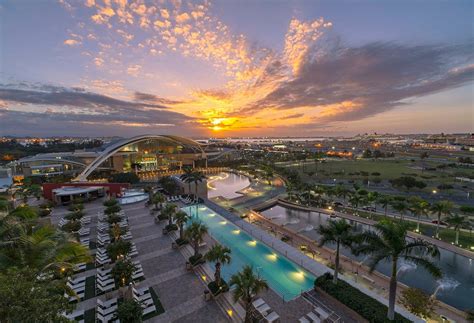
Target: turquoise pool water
{"x":282,"y":275}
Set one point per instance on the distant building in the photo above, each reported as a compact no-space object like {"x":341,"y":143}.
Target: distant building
{"x":144,"y":153}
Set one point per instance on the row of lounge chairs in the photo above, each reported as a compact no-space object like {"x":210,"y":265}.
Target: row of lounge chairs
{"x":78,"y":287}
{"x":188,"y":200}
{"x":317,"y":315}
{"x":264,"y":311}
{"x":143,"y":296}
{"x":106,"y":310}
{"x":104,"y":282}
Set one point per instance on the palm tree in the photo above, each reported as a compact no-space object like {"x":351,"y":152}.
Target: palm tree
{"x":371,"y":199}
{"x":181,"y":218}
{"x":170,"y":210}
{"x":158,"y":199}
{"x":356,"y":200}
{"x":441,"y":208}
{"x":220,"y":255}
{"x":195,"y":234}
{"x":389,"y":242}
{"x":419,"y":207}
{"x":384,"y":201}
{"x":339,"y":232}
{"x":247,"y":286}
{"x":457,"y":222}
{"x":401,"y":208}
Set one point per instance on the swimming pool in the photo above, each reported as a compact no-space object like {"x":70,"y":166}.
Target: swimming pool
{"x":227,"y":185}
{"x":282,"y":275}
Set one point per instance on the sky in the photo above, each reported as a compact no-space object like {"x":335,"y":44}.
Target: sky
{"x":234,"y":68}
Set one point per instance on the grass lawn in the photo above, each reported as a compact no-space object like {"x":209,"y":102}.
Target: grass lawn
{"x":388,"y":169}
{"x":466,"y":240}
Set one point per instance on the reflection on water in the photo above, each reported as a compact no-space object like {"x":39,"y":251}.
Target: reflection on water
{"x":226,"y":185}
{"x":455,"y":289}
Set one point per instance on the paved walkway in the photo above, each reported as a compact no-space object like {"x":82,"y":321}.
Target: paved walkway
{"x":180,"y":291}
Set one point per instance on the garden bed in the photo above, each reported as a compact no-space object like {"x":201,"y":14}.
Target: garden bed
{"x":366,"y":306}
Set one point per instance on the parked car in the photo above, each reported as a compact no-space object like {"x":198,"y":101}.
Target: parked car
{"x":441,"y":222}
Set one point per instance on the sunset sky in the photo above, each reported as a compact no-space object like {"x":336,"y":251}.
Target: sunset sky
{"x":235,"y":68}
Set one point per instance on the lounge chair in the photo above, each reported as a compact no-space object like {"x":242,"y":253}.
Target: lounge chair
{"x":313,"y":317}
{"x":258,"y":302}
{"x":272,"y":317}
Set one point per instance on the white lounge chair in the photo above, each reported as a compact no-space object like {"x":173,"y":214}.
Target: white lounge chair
{"x":272,"y":317}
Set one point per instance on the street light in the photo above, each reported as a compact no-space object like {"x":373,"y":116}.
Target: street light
{"x":435,"y":191}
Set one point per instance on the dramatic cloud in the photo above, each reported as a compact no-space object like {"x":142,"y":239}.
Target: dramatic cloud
{"x":354,"y":83}
{"x":46,"y":106}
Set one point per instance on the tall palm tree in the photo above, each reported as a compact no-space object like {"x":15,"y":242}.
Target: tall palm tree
{"x":356,"y":200}
{"x":247,"y":286}
{"x":181,"y":219}
{"x":170,"y":210}
{"x":371,"y":199}
{"x":419,"y":207}
{"x":220,"y":255}
{"x":339,"y":232}
{"x":401,"y":208}
{"x":457,"y":222}
{"x":195,"y":234}
{"x":384,"y":201}
{"x":389,"y":242}
{"x":439,"y":209}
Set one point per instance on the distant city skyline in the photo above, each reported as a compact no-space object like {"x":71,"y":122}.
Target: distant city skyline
{"x":236,"y":68}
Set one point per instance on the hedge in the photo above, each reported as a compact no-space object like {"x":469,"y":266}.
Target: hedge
{"x":366,"y":306}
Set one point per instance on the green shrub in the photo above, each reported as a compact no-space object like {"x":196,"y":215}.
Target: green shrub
{"x":72,"y":226}
{"x":113,"y":218}
{"x":162,"y":217}
{"x":366,"y":306}
{"x":119,"y":248}
{"x":110,"y":202}
{"x":130,"y":311}
{"x":171,"y":227}
{"x":112,"y":209}
{"x":74,"y":216}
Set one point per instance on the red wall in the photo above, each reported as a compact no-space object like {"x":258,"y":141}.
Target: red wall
{"x":114,"y":189}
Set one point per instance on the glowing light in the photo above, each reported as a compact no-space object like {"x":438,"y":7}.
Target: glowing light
{"x":204,"y":277}
{"x":272,"y":257}
{"x":223,"y":222}
{"x":212,"y":215}
{"x":230,"y":312}
{"x":472,"y":247}
{"x":252,"y":243}
{"x":235,"y":231}
{"x":435,"y":191}
{"x":298,"y":276}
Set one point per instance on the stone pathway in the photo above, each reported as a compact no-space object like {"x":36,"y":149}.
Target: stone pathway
{"x":180,"y":291}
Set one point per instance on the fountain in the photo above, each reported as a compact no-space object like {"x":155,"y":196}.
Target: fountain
{"x":445,"y":284}
{"x":406,"y":266}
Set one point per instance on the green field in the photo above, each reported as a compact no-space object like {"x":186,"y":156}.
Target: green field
{"x":388,"y":169}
